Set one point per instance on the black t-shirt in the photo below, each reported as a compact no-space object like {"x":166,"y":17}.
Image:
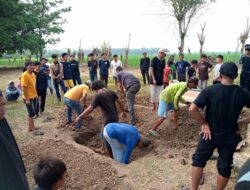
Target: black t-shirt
{"x":75,"y":68}
{"x":106,"y":100}
{"x":144,"y":64}
{"x":191,"y":72}
{"x":41,"y":81}
{"x":245,"y":61}
{"x":223,"y":106}
{"x":158,"y":68}
{"x":92,"y":66}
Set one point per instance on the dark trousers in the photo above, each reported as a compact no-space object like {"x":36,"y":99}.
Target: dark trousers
{"x":93,"y":76}
{"x":145,"y":75}
{"x":104,"y":78}
{"x":181,"y":77}
{"x":40,"y":104}
{"x":12,"y":97}
{"x":245,"y":80}
{"x":56,"y":86}
{"x":76,"y":79}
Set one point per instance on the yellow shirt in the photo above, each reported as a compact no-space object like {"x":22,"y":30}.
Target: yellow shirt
{"x":29,"y":81}
{"x":76,"y":92}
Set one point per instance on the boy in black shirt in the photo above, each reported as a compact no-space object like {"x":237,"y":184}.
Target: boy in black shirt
{"x":245,"y":73}
{"x":74,"y":65}
{"x":41,"y":88}
{"x":224,"y":103}
{"x":92,"y":64}
{"x":192,"y":69}
{"x":144,"y":66}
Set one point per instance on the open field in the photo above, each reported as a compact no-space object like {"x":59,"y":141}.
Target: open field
{"x":133,"y":59}
{"x":166,"y":164}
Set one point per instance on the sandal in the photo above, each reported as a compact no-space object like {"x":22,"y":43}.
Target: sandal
{"x":38,"y":133}
{"x":153,"y":134}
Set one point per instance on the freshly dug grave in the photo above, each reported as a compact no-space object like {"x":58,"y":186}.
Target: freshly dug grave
{"x":85,"y":171}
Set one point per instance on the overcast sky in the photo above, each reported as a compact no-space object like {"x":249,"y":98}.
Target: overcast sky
{"x":96,"y":21}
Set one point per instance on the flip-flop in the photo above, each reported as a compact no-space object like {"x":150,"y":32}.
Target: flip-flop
{"x":154,"y":134}
{"x":38,"y":133}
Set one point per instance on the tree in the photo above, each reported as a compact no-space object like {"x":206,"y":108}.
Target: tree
{"x":185,"y":12}
{"x":12,"y":17}
{"x":243,"y":37}
{"x":202,"y":37}
{"x":45,"y":22}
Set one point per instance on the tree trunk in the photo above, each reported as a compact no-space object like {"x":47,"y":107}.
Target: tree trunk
{"x":242,"y":47}
{"x":40,"y":53}
{"x":181,"y":49}
{"x":201,"y":49}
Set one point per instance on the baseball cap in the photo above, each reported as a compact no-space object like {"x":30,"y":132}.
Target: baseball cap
{"x":163,"y":50}
{"x":229,"y":69}
{"x":247,"y":47}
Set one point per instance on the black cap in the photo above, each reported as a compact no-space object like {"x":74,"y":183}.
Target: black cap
{"x":54,"y":56}
{"x":229,"y":69}
{"x":247,"y":47}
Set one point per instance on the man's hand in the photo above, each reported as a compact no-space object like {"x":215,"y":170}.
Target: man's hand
{"x":124,"y":115}
{"x":27,"y":101}
{"x":2,"y":107}
{"x":154,"y":82}
{"x":205,"y":130}
{"x":77,"y":120}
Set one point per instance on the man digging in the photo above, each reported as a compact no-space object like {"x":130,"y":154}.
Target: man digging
{"x":169,"y":100}
{"x":130,"y":85}
{"x":105,"y":99}
{"x":219,"y":129}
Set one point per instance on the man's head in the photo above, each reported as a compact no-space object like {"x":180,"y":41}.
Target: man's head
{"x":97,"y":85}
{"x":119,"y":69}
{"x":247,"y":49}
{"x":193,"y":82}
{"x":54,"y":58}
{"x":91,"y":56}
{"x":37,"y":65}
{"x":72,"y":58}
{"x":229,"y":70}
{"x":44,"y":61}
{"x":163,"y":53}
{"x":64,"y":57}
{"x":203,"y":58}
{"x":144,"y":54}
{"x":194,"y":63}
{"x":219,"y":59}
{"x":50,"y":173}
{"x":181,"y":56}
{"x":11,"y":83}
{"x":88,"y":83}
{"x":115,"y":57}
{"x":29,"y":65}
{"x":104,"y":56}
{"x":143,"y":142}
{"x":170,"y":63}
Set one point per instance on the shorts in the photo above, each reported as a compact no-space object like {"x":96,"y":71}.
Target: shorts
{"x":164,"y":108}
{"x":69,"y":83}
{"x":30,"y":107}
{"x":155,"y":92}
{"x":226,"y":149}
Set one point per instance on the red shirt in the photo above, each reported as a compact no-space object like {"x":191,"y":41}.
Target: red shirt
{"x":167,"y":71}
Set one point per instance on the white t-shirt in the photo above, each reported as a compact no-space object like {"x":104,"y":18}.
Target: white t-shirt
{"x":217,"y":71}
{"x":114,"y":65}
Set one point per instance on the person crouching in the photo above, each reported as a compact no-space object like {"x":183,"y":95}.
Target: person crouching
{"x":12,"y":92}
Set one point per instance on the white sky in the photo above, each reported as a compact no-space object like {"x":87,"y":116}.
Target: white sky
{"x":96,"y":21}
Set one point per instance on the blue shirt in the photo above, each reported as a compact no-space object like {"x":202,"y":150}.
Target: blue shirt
{"x":126,"y":134}
{"x":45,"y":68}
{"x":104,"y":67}
{"x":182,"y":66}
{"x":67,"y":71}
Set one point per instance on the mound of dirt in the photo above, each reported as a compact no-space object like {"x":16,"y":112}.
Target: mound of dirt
{"x":85,"y":171}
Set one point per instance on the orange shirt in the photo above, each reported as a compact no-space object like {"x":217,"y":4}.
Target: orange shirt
{"x":29,"y":81}
{"x":167,"y":71}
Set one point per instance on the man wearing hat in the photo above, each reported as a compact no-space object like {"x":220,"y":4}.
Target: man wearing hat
{"x":219,"y":127}
{"x":245,"y":73}
{"x":156,"y":76}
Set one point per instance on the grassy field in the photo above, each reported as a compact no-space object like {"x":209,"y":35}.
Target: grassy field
{"x":133,"y":59}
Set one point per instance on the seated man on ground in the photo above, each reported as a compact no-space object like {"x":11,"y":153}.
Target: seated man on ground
{"x":73,"y":99}
{"x":123,"y":138}
{"x":169,"y":100}
{"x":12,"y":92}
{"x":130,"y":85}
{"x":49,"y":173}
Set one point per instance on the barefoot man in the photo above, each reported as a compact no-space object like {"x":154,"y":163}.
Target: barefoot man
{"x":169,"y":100}
{"x":105,"y":99}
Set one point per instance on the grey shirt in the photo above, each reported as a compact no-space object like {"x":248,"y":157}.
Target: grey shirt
{"x":127,"y":79}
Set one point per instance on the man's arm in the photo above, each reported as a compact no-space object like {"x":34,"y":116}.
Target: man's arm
{"x":25,"y":94}
{"x":51,"y":72}
{"x":194,"y":110}
{"x":84,"y":114}
{"x":120,"y":104}
{"x":84,"y":97}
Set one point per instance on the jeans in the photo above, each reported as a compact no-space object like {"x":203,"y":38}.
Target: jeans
{"x":93,"y":76}
{"x":145,"y":75}
{"x":50,"y":85}
{"x":181,"y":77}
{"x":41,"y":101}
{"x":130,"y":95}
{"x":56,"y":86}
{"x":202,"y":84}
{"x":73,"y":105}
{"x":116,"y":146}
{"x":245,"y":81}
{"x":105,"y":79}
{"x":76,"y":79}
{"x":12,"y":97}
